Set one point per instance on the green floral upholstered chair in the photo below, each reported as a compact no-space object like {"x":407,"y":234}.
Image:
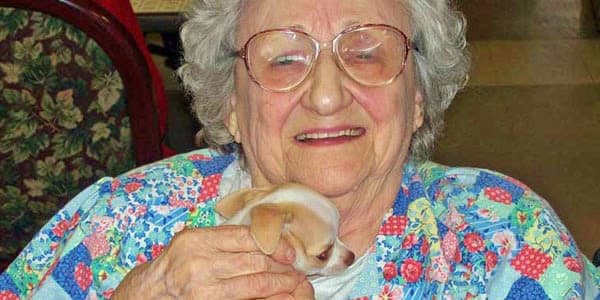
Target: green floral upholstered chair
{"x":76,"y":104}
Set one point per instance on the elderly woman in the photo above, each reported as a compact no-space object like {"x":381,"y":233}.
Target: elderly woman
{"x":346,"y":97}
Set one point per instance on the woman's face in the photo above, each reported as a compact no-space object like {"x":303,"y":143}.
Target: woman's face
{"x":268,"y":124}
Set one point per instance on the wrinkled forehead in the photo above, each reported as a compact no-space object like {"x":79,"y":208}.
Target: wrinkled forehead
{"x":322,"y":19}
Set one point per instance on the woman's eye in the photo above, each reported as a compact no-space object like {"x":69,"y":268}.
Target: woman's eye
{"x":365,"y":55}
{"x":289,"y":59}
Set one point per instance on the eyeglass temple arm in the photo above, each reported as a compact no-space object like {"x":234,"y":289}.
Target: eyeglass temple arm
{"x":413,"y":45}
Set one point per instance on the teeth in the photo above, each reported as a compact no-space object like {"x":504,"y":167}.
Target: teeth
{"x":324,"y":135}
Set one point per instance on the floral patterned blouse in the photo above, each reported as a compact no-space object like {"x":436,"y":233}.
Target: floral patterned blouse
{"x":452,"y":233}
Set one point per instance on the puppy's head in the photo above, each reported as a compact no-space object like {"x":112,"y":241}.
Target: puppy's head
{"x":305,"y":218}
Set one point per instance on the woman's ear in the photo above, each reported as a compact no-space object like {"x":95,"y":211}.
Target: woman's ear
{"x":231,"y":121}
{"x":419,"y":111}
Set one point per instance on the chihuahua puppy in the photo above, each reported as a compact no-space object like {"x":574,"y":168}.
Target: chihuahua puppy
{"x":305,"y":218}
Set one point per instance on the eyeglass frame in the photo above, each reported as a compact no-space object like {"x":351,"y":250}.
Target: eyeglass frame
{"x":243,"y":53}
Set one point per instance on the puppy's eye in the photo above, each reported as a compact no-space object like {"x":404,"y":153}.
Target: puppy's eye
{"x":325,"y":254}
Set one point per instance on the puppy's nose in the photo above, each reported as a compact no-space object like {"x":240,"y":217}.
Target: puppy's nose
{"x":349,"y":258}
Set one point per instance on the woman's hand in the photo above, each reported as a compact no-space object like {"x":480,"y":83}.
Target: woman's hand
{"x":216,"y":263}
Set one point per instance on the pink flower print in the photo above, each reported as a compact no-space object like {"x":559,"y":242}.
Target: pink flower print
{"x":8,"y":295}
{"x":63,"y":225}
{"x":83,"y":276}
{"x":115,"y":184}
{"x":140,"y":210}
{"x":389,"y":293}
{"x":491,"y":259}
{"x":457,"y":256}
{"x":425,"y":246}
{"x":455,"y":220}
{"x":573,"y":264}
{"x":531,"y":262}
{"x":439,"y":269}
{"x":390,"y":270}
{"x":505,"y":241}
{"x":132,"y":187}
{"x":102,"y":275}
{"x":175,"y":202}
{"x":498,"y":194}
{"x":394,"y":225}
{"x":108,"y":293}
{"x":60,"y":228}
{"x":564,"y":237}
{"x":162,"y":209}
{"x":141,"y":258}
{"x":449,"y":245}
{"x":466,"y":275}
{"x":470,"y":201}
{"x":97,"y":244}
{"x":210,"y":187}
{"x":484,"y":212}
{"x":411,"y":270}
{"x":74,"y":221}
{"x":157,"y":249}
{"x":195,"y":157}
{"x":138,"y":176}
{"x":409,"y":241}
{"x":473,"y":242}
{"x":177,"y":227}
{"x":102,"y":224}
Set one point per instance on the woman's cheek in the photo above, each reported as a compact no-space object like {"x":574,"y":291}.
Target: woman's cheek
{"x":380,"y":104}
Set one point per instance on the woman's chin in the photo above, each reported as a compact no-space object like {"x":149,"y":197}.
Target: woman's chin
{"x":331,"y":185}
{"x":331,"y":174}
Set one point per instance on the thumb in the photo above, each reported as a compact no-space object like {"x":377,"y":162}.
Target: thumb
{"x":304,"y":291}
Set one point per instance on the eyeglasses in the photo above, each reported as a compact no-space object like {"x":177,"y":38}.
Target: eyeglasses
{"x":281,"y":59}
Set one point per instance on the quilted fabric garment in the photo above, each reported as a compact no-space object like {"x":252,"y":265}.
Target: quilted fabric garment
{"x":63,"y":121}
{"x":452,"y":233}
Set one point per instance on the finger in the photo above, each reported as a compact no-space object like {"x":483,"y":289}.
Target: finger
{"x":235,"y":238}
{"x":230,"y":238}
{"x":280,"y":297}
{"x":304,"y":291}
{"x":260,"y":285}
{"x":238,"y":264}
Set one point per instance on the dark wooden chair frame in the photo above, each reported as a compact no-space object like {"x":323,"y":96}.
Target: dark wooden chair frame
{"x":120,"y":46}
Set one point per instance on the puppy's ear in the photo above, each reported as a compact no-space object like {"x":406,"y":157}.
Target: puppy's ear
{"x":267,"y":221}
{"x":234,"y":202}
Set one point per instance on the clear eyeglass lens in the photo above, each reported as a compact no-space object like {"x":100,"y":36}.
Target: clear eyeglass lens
{"x":280,"y":60}
{"x":372,"y":56}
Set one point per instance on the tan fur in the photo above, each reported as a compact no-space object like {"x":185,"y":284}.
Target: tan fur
{"x":269,"y":220}
{"x":308,"y":221}
{"x":234,"y":202}
{"x":267,"y":224}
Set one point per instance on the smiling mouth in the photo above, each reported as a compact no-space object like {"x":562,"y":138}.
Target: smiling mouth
{"x":307,"y":137}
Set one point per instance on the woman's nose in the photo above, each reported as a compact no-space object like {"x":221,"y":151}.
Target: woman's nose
{"x":326,"y":95}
